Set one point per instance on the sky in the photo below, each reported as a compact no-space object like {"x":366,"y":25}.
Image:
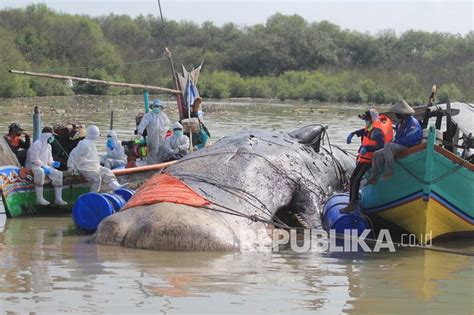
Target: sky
{"x":364,"y":16}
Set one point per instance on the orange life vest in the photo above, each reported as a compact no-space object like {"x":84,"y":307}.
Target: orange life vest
{"x":13,"y":141}
{"x":384,"y":124}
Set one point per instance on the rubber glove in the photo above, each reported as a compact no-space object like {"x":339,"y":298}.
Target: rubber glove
{"x":139,"y":139}
{"x":349,"y":138}
{"x":56,"y":164}
{"x":46,"y":170}
{"x":110,"y":144}
{"x":363,"y":150}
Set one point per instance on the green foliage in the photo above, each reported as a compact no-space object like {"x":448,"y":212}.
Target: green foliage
{"x":284,"y":58}
{"x":10,"y":57}
{"x":45,"y":87}
{"x":449,"y":92}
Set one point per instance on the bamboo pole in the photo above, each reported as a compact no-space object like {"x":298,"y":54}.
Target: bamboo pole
{"x":95,"y":81}
{"x":140,"y":169}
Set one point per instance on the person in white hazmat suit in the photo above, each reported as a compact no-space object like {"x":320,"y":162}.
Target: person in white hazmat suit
{"x":156,"y":124}
{"x":115,"y":156}
{"x":176,"y":146}
{"x":40,"y":160}
{"x":84,"y":160}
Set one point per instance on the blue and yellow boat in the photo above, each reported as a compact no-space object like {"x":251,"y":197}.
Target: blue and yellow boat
{"x":432,"y":191}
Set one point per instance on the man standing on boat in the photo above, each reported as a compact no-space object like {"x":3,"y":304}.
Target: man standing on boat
{"x":376,"y":133}
{"x":156,"y":124}
{"x":16,"y":143}
{"x":408,"y":134}
{"x":85,"y":160}
{"x":40,"y":160}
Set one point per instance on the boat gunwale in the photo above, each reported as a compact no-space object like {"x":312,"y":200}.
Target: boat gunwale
{"x":447,"y":154}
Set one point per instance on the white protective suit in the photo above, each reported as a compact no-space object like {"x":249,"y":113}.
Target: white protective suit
{"x":176,"y":145}
{"x":114,"y":157}
{"x":84,"y":160}
{"x":39,"y":155}
{"x":156,"y":126}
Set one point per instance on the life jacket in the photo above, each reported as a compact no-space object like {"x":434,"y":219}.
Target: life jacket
{"x":384,"y":124}
{"x":14,"y":142}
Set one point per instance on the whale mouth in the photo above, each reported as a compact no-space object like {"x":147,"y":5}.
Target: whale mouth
{"x":175,"y":227}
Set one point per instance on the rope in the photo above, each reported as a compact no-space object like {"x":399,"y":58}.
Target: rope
{"x":278,"y":170}
{"x":255,"y":218}
{"x":228,"y":189}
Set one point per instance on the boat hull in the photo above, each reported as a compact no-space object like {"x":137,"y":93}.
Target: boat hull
{"x":430,"y":195}
{"x":19,"y":199}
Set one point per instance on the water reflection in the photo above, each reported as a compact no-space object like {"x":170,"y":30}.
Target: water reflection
{"x":46,"y":267}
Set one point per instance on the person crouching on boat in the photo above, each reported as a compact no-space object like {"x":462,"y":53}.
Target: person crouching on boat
{"x":156,"y":124}
{"x":115,"y":156}
{"x":40,"y":160}
{"x":176,"y":146}
{"x":84,"y":160}
{"x":408,"y":133}
{"x":18,"y":145}
{"x":378,"y":131}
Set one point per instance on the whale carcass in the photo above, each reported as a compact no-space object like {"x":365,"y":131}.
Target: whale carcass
{"x":231,"y":192}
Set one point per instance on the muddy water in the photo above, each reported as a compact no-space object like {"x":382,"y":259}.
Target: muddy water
{"x":46,"y":267}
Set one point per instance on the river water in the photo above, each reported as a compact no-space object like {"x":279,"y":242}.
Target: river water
{"x":46,"y":267}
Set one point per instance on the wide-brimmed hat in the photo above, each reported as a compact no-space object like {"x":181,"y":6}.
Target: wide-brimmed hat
{"x":402,"y":107}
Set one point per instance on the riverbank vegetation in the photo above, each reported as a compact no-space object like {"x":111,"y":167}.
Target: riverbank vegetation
{"x":285,"y":58}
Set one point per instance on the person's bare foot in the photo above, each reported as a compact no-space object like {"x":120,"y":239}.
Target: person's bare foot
{"x":372,"y":181}
{"x":387,"y":175}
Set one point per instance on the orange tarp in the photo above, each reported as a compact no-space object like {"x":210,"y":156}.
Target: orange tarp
{"x":165,"y":188}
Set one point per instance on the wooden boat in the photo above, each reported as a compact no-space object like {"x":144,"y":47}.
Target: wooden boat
{"x":432,"y":191}
{"x":18,"y":194}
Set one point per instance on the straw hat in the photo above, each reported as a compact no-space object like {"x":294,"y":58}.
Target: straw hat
{"x":402,"y":107}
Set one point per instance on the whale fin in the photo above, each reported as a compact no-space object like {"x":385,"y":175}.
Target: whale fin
{"x":310,"y":135}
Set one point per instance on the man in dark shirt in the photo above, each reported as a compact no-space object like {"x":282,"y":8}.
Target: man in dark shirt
{"x":18,"y":145}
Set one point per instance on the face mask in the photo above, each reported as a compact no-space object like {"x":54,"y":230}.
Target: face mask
{"x":110,"y":143}
{"x":178,"y":133}
{"x":50,"y":140}
{"x":156,"y":110}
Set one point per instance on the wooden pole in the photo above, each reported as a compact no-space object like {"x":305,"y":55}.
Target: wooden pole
{"x":140,"y":169}
{"x":111,"y":120}
{"x":95,"y":81}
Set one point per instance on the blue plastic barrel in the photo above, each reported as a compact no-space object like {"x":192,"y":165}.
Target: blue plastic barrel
{"x":125,"y":193}
{"x":333,"y":219}
{"x":89,"y":209}
{"x":116,"y":200}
